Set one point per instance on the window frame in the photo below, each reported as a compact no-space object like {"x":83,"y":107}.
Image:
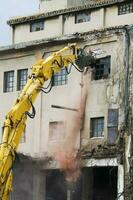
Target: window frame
{"x":60,"y":78}
{"x":127,"y":10}
{"x":93,"y":122}
{"x":19,"y":85}
{"x":83,"y":13}
{"x":35,"y":23}
{"x":112,"y":125}
{"x":105,"y":67}
{"x":6,"y":84}
{"x":57,"y":125}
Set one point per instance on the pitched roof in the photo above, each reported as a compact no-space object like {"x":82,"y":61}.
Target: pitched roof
{"x":89,"y":4}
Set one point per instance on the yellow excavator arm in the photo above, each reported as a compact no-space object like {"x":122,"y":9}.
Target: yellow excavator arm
{"x":15,"y":121}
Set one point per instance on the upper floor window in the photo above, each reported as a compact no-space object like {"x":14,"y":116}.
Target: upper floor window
{"x":8,"y":81}
{"x":97,"y":127}
{"x":57,"y":130}
{"x":37,"y":26}
{"x":102,"y":69}
{"x":125,"y":8}
{"x":22,"y":78}
{"x":81,"y":17}
{"x":60,"y":78}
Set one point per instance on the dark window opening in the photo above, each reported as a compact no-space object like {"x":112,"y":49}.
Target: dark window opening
{"x":82,"y":17}
{"x":22,"y":77}
{"x":105,"y":183}
{"x":102,"y":69}
{"x":97,"y":127}
{"x":8,"y":81}
{"x":99,"y":183}
{"x":125,"y":8}
{"x":56,"y":188}
{"x":112,"y":125}
{"x":60,"y":78}
{"x":37,"y":26}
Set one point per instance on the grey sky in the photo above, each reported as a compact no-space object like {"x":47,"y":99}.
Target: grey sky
{"x":10,"y":8}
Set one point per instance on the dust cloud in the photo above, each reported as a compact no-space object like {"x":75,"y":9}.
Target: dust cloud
{"x":67,"y":154}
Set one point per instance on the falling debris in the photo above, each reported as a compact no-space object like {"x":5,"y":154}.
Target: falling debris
{"x":69,"y":163}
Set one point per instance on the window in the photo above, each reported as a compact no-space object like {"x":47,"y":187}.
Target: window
{"x":8,"y":81}
{"x":60,"y":78}
{"x":37,"y":26}
{"x":97,"y":127}
{"x":125,"y":8}
{"x":57,"y":130}
{"x":82,"y":17}
{"x":102,"y":69}
{"x":112,"y":125}
{"x":22,"y":78}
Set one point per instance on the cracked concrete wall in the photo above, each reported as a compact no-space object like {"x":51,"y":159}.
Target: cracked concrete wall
{"x":111,"y":90}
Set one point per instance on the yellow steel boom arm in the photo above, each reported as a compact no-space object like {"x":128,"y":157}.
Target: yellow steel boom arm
{"x":15,"y":121}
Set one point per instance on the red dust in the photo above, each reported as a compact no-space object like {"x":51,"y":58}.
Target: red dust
{"x":67,"y":153}
{"x":69,"y":163}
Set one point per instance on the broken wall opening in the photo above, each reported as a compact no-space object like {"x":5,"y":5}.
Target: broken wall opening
{"x":99,"y":183}
{"x":95,"y":183}
{"x":56,"y":187}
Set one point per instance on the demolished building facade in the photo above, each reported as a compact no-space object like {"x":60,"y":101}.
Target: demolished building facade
{"x":98,"y":118}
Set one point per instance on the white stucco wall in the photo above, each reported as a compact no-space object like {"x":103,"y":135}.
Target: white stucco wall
{"x":113,"y":19}
{"x":95,"y":22}
{"x":67,"y":96}
{"x":52,"y":28}
{"x":37,"y":130}
{"x":102,"y":94}
{"x":8,"y":99}
{"x":51,"y":5}
{"x":55,"y":26}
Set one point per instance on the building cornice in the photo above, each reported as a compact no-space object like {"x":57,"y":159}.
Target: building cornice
{"x":77,"y":37}
{"x":93,"y":4}
{"x":39,"y":43}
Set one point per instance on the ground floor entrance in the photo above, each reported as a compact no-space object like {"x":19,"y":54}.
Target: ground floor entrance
{"x":99,"y":183}
{"x":95,"y":183}
{"x":100,"y":179}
